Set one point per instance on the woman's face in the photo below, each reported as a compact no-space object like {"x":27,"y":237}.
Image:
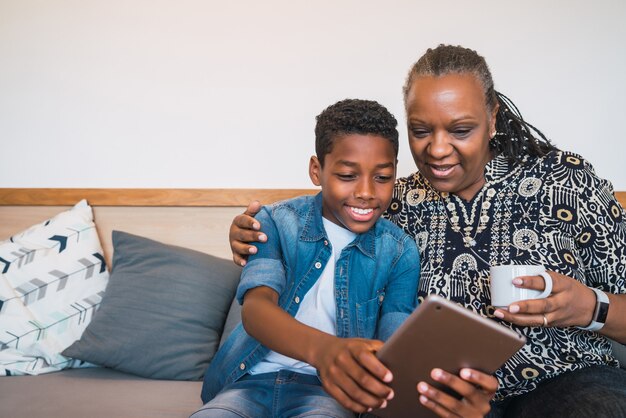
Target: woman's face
{"x":449,"y":129}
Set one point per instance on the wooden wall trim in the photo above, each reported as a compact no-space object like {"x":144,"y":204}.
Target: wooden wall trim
{"x":621,"y":197}
{"x":156,"y":197}
{"x":145,"y":197}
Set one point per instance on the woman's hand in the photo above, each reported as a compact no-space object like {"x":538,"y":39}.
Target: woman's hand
{"x":476,"y":390}
{"x":244,"y":230}
{"x":571,"y":303}
{"x":352,"y":374}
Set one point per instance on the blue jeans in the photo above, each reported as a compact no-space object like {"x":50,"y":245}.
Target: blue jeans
{"x":597,"y":391}
{"x":282,"y":394}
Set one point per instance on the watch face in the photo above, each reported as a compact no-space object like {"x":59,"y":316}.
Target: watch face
{"x":602,"y":312}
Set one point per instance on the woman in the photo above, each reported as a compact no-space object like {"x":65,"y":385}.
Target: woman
{"x":491,"y":190}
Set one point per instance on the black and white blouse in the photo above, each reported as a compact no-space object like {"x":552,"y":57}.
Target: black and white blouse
{"x":553,"y":211}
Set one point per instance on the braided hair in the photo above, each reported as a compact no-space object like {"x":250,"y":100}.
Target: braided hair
{"x":515,"y":138}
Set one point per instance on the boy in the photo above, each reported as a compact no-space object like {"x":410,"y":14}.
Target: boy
{"x":331,"y":277}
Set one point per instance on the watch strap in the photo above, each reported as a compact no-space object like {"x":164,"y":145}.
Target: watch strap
{"x":600,"y":312}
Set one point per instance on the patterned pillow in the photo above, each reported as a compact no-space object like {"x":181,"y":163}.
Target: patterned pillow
{"x":52,"y":278}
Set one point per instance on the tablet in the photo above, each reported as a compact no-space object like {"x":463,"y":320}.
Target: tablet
{"x":442,"y":334}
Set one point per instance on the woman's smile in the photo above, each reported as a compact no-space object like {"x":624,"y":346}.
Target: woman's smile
{"x":449,"y":130}
{"x":442,"y":170}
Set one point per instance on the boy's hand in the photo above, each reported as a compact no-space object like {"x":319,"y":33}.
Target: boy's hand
{"x":476,"y":388}
{"x":352,"y":374}
{"x":244,"y":229}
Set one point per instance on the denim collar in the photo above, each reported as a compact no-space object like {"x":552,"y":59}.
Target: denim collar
{"x":314,"y":230}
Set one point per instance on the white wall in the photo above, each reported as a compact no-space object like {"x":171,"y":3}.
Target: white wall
{"x":197,"y":93}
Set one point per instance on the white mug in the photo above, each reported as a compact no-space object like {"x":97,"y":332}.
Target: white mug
{"x":503,"y":292}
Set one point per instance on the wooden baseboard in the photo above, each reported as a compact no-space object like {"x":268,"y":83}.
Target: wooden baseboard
{"x":156,"y":197}
{"x":145,"y":197}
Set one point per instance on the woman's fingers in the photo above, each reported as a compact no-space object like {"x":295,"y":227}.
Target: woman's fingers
{"x":239,"y":239}
{"x":476,"y":390}
{"x":240,"y":252}
{"x":533,"y":282}
{"x":485,"y":382}
{"x":524,"y":319}
{"x":531,"y":312}
{"x":571,"y":303}
{"x":253,"y":208}
{"x":243,"y":230}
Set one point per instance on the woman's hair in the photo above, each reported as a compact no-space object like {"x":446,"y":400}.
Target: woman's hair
{"x":515,"y":137}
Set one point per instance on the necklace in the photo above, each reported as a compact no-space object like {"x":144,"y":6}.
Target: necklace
{"x":469,"y":220}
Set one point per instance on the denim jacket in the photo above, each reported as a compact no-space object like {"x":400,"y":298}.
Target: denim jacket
{"x":376,"y":281}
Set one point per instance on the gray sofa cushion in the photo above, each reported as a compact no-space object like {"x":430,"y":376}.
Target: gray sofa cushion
{"x":162,"y":313}
{"x":232,"y":320}
{"x":96,"y":393}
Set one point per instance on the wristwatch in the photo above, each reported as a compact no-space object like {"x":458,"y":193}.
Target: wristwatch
{"x":600,"y":312}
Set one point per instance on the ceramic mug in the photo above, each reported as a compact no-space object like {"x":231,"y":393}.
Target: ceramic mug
{"x":503,"y":292}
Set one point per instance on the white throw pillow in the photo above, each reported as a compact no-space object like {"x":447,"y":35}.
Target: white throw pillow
{"x":52,"y":278}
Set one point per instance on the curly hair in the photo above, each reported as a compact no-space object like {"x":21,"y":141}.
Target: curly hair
{"x":514,"y":137}
{"x":353,"y":116}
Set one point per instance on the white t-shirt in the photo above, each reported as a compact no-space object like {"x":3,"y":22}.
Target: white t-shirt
{"x":318,"y":307}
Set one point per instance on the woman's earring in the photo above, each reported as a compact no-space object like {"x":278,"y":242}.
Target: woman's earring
{"x":493,"y":143}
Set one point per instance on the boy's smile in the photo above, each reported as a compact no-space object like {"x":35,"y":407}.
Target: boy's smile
{"x":357,"y":180}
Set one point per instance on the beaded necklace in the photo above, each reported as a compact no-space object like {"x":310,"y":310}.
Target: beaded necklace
{"x":469,"y":220}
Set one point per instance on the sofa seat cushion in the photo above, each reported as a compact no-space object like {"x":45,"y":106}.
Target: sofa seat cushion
{"x":96,"y":393}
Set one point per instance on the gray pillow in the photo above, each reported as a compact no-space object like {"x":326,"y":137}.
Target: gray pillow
{"x":162,"y":313}
{"x":232,"y":320}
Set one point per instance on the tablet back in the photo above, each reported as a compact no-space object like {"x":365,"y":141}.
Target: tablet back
{"x":442,"y":334}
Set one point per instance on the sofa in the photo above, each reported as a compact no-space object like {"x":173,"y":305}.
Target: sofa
{"x":163,"y":303}
{"x":157,"y":269}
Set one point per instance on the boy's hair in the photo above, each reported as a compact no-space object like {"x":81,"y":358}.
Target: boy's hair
{"x":353,"y":116}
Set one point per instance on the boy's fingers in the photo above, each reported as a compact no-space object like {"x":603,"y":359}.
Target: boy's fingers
{"x":343,"y":398}
{"x":361,"y":372}
{"x":372,"y":364}
{"x":353,"y":396}
{"x":356,"y":382}
{"x":372,"y":387}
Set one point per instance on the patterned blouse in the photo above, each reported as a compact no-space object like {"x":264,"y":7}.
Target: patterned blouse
{"x":553,"y":211}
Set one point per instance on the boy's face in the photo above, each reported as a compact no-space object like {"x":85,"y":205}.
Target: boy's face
{"x":357,"y":180}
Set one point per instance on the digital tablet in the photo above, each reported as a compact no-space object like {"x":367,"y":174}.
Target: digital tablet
{"x":441,"y":334}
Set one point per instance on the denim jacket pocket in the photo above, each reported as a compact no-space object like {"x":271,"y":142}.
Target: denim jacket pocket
{"x":367,"y":315}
